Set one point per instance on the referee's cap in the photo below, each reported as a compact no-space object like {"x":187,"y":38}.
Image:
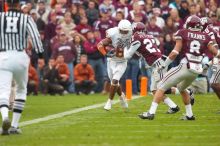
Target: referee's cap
{"x":13,"y":1}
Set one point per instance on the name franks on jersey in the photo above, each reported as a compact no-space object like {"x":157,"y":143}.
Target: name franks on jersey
{"x":11,"y":25}
{"x":196,"y":36}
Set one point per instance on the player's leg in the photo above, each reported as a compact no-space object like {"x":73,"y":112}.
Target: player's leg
{"x":5,"y":89}
{"x":117,"y":74}
{"x":215,"y":82}
{"x":156,"y":77}
{"x":112,"y":89}
{"x":171,"y":78}
{"x":20,"y":75}
{"x":185,"y":95}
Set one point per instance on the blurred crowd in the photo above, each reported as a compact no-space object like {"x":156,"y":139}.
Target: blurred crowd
{"x":71,"y":29}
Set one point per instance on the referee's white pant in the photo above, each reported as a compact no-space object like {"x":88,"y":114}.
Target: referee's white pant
{"x":13,"y":65}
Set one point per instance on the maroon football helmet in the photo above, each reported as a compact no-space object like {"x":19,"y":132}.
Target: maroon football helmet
{"x":193,"y":23}
{"x":206,"y":21}
{"x":138,"y":27}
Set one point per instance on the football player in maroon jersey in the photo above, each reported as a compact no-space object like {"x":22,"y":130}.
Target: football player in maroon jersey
{"x":147,"y":46}
{"x":191,"y":44}
{"x":208,"y":28}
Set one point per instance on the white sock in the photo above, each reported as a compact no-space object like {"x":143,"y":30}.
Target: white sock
{"x":110,"y":101}
{"x":189,"y":110}
{"x":169,"y":102}
{"x":122,"y":96}
{"x":15,"y":119}
{"x":4,"y":112}
{"x":153,"y":108}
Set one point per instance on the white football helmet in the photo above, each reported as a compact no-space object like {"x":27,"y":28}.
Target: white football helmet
{"x":124,"y":25}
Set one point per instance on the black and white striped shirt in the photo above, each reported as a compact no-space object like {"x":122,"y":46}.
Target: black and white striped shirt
{"x":14,"y":30}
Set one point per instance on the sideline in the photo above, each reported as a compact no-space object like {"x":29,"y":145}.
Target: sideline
{"x":60,"y":115}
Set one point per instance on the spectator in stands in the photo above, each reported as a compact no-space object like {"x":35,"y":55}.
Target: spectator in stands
{"x":178,"y":22}
{"x":25,"y":9}
{"x":107,"y":4}
{"x":59,"y":11}
{"x":119,"y":16}
{"x":159,"y":20}
{"x":95,"y":59}
{"x":42,"y":11}
{"x":169,"y":28}
{"x":32,"y":86}
{"x":184,"y":10}
{"x":55,"y":39}
{"x":137,"y":12}
{"x":67,"y":25}
{"x":51,"y":79}
{"x":152,"y":28}
{"x":78,"y":44}
{"x":40,"y":23}
{"x":46,"y":54}
{"x":40,"y":71}
{"x":123,"y":6}
{"x":75,"y":14}
{"x":84,"y":76}
{"x":63,"y":71}
{"x":67,"y":49}
{"x":104,"y":22}
{"x":83,"y":27}
{"x":92,"y":13}
{"x":164,"y":6}
{"x":50,"y":29}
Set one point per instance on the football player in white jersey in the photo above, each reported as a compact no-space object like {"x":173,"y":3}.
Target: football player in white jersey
{"x":117,"y":38}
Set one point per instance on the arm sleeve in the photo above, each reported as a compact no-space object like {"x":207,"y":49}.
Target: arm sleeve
{"x":128,"y":53}
{"x":35,"y":35}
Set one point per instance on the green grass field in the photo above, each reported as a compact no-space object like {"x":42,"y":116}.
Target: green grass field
{"x":117,"y":127}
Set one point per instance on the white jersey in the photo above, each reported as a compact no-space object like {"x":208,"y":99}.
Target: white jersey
{"x":118,"y":41}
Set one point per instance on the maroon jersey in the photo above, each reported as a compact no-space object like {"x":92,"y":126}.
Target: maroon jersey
{"x":102,"y":26}
{"x":194,"y":44}
{"x":148,"y":48}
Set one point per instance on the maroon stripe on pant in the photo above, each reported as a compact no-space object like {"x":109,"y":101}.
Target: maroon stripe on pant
{"x":172,"y":73}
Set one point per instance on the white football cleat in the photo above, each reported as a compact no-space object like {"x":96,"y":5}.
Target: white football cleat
{"x":123,"y":101}
{"x":108,"y":105}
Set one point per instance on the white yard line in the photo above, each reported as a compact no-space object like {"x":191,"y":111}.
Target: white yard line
{"x":60,"y":115}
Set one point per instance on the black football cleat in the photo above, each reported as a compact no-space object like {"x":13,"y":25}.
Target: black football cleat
{"x":191,"y":94}
{"x":146,"y":115}
{"x":173,"y":110}
{"x":6,"y":124}
{"x":186,"y":118}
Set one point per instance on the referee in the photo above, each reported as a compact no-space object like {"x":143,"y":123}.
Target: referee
{"x":15,"y":27}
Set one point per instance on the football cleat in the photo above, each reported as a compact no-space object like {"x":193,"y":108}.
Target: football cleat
{"x":5,"y":126}
{"x":14,"y":130}
{"x":123,"y":101}
{"x":185,"y":118}
{"x":146,"y":115}
{"x":173,"y":110}
{"x":192,"y":99}
{"x":108,"y":105}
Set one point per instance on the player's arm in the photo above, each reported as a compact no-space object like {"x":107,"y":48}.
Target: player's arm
{"x":214,"y":50}
{"x":35,"y":35}
{"x":174,"y":53}
{"x":101,"y":46}
{"x":128,"y":53}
